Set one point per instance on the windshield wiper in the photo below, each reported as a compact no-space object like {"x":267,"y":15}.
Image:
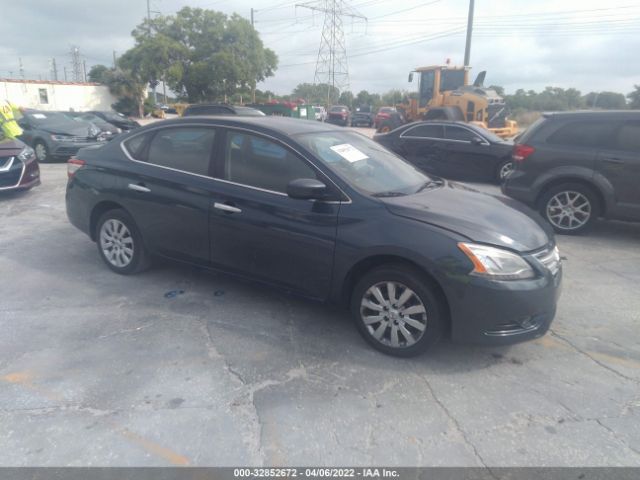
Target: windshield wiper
{"x":430,"y":184}
{"x":389,"y":194}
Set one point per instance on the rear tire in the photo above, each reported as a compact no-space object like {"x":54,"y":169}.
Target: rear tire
{"x":397,"y":310}
{"x":120,"y":244}
{"x":570,"y":208}
{"x":504,"y":170}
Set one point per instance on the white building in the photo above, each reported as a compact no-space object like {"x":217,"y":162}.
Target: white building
{"x":64,"y":96}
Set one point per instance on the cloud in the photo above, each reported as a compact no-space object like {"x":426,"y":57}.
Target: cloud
{"x":521,"y":44}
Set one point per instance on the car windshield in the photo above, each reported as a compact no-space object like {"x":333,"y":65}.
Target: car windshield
{"x":47,"y":118}
{"x":492,"y":137}
{"x":113,"y":116}
{"x":338,"y":109}
{"x":365,"y":164}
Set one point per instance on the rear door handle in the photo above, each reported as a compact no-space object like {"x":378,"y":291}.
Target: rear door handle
{"x":139,"y":188}
{"x":614,"y":160}
{"x":226,"y":208}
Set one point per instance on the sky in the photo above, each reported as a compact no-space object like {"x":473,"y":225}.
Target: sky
{"x":587,"y":44}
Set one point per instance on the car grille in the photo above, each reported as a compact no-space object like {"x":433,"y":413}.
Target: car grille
{"x":550,"y":259}
{"x":76,"y":139}
{"x":11,"y":176}
{"x":66,"y":151}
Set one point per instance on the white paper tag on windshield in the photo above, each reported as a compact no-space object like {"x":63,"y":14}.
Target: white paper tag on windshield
{"x":349,"y":152}
{"x":39,"y":116}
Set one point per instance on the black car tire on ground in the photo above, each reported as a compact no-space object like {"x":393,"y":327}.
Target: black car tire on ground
{"x":42,"y":152}
{"x":422,"y":294}
{"x":574,"y":195}
{"x":130,"y":255}
{"x":504,"y":170}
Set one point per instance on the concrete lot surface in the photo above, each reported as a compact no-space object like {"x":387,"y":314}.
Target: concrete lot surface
{"x":100,"y":369}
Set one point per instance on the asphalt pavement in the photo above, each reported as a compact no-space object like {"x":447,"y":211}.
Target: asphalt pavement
{"x":178,"y":366}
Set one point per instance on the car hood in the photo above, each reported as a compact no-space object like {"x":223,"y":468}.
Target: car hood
{"x":481,"y":217}
{"x":9,"y":146}
{"x":72,"y":128}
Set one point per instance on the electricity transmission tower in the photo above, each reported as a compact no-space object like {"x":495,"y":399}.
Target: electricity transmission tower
{"x":76,"y":65}
{"x":332,"y":67}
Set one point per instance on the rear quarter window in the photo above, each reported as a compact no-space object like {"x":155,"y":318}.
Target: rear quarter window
{"x":583,"y":134}
{"x":135,"y":145}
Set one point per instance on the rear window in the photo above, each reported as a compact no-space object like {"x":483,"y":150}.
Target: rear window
{"x":586,"y":134}
{"x":338,"y":109}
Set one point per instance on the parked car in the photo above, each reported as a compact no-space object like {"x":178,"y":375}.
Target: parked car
{"x":53,"y":135}
{"x":454,"y":150}
{"x":389,"y":117}
{"x":19,"y":169}
{"x":221,"y":109}
{"x":321,"y":113}
{"x":108,"y":130}
{"x":121,"y":121}
{"x":339,"y":115}
{"x":362,"y":119}
{"x":578,"y":166}
{"x":325,"y":213}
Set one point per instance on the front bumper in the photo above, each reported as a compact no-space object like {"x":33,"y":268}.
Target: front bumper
{"x":501,"y":313}
{"x":69,"y":149}
{"x":23,"y":177}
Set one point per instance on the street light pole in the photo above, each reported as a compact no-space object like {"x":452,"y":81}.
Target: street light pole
{"x":467,"y":48}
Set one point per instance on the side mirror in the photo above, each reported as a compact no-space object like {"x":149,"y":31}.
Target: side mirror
{"x":477,"y":141}
{"x":411,"y":77}
{"x":306,"y":189}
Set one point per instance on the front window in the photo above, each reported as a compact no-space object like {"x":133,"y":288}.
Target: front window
{"x":258,"y":162}
{"x":427,"y":80}
{"x":365,"y":164}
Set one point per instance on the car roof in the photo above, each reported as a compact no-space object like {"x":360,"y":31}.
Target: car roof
{"x":593,"y":114}
{"x":283,"y":125}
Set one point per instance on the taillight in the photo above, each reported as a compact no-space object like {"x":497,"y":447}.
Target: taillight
{"x":73,"y":165}
{"x":384,"y":115}
{"x":521,"y":152}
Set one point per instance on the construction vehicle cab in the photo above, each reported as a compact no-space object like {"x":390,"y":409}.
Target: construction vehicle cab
{"x":444,"y":92}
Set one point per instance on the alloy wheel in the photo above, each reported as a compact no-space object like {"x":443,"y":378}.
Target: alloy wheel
{"x":116,"y":243}
{"x":393,"y":314}
{"x":569,"y":210}
{"x":41,"y":152}
{"x":505,"y":170}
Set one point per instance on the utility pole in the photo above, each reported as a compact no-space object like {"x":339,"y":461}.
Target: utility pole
{"x":54,"y":69}
{"x":252,"y":17}
{"x":253,"y":82}
{"x":331,"y":66}
{"x":84,"y":70}
{"x":114,"y":59}
{"x":21,"y":68}
{"x":467,"y":48}
{"x":65,"y":73}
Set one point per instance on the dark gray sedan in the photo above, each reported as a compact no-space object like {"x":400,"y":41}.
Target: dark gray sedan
{"x":53,"y":135}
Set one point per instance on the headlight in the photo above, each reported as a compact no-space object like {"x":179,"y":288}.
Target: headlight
{"x":496,"y":263}
{"x":27,"y":153}
{"x":61,"y":138}
{"x":93,"y":131}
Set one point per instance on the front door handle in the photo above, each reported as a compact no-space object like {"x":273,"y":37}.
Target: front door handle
{"x":226,"y":208}
{"x":139,"y":188}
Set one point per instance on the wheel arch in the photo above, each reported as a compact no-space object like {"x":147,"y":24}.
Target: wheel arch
{"x":590,"y":184}
{"x":366,"y":264}
{"x":98,"y":210}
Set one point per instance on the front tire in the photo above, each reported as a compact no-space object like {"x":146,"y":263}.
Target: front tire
{"x":120,"y":244}
{"x":397,"y":310}
{"x":570,"y":208}
{"x":42,"y":152}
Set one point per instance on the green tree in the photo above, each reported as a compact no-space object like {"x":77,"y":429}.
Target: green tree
{"x":203,"y":55}
{"x":319,"y":93}
{"x":634,"y":98}
{"x":98,"y":73}
{"x":606,"y":100}
{"x":346,"y":98}
{"x":129,"y":89}
{"x":364,"y":98}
